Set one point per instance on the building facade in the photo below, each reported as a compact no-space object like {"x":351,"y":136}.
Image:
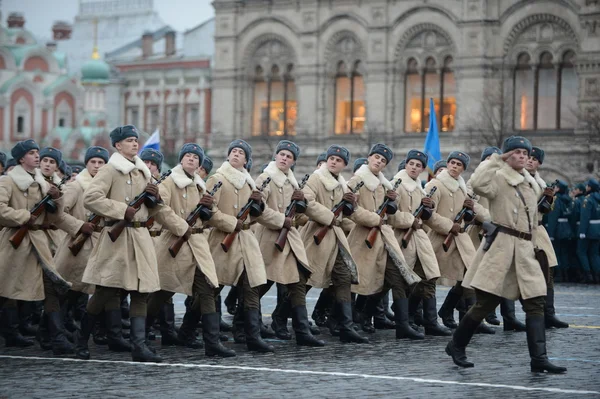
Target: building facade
{"x":356,"y":72}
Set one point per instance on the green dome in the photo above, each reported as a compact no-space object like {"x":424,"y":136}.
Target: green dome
{"x":95,"y":71}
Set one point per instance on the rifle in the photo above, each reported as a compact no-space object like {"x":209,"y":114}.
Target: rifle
{"x":290,"y":212}
{"x":77,"y":244}
{"x":457,"y":219}
{"x":337,"y":209}
{"x":135,"y":203}
{"x":418,"y":213}
{"x":37,"y":210}
{"x":545,"y":203}
{"x":242,"y":215}
{"x":201,"y":212}
{"x":382,"y":211}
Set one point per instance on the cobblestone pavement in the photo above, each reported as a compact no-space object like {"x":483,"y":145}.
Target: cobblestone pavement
{"x":386,"y":367}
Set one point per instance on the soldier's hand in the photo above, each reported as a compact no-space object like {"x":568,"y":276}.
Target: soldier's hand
{"x":507,"y":155}
{"x":129,"y":213}
{"x":428,"y":203}
{"x":207,"y":201}
{"x":298,"y":195}
{"x":54,"y":192}
{"x":31,"y":220}
{"x":238,"y":226}
{"x":349,"y":197}
{"x":152,"y":189}
{"x":549,"y":192}
{"x":256,"y":196}
{"x":391,"y":194}
{"x":417,"y":224}
{"x":455,"y":230}
{"x":469,"y":204}
{"x":87,"y":229}
{"x":287,"y":223}
{"x":187,"y":234}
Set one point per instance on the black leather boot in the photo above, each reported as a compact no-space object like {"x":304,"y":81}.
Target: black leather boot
{"x":302,"y":329}
{"x":125,"y":313}
{"x":254,"y":341}
{"x":99,"y":331}
{"x":419,"y":314}
{"x":43,"y":334}
{"x":223,"y":326}
{"x":380,"y":320}
{"x":321,"y":310}
{"x":140,"y":352}
{"x":25,"y":311}
{"x":413,"y":304}
{"x":210,"y":335}
{"x":231,"y":300}
{"x":187,"y":331}
{"x":10,"y":329}
{"x":83,"y":336}
{"x":60,"y":344}
{"x":550,"y":313}
{"x":507,"y":310}
{"x":446,"y":312}
{"x":265,"y":330}
{"x":492,"y":318}
{"x":430,"y":319}
{"x":536,"y":342}
{"x":343,"y":314}
{"x":279,"y":319}
{"x":237,"y":327}
{"x":386,"y":306}
{"x":460,"y":339}
{"x":403,"y":330}
{"x":114,"y":332}
{"x":168,"y":335}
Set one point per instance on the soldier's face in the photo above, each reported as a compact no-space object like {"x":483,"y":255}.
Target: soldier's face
{"x":319,"y":164}
{"x":284,"y":160}
{"x":202,"y":172}
{"x":31,"y":160}
{"x":237,"y":158}
{"x":455,"y":168}
{"x":440,"y":171}
{"x":190,"y":162}
{"x":153,"y":167}
{"x":414,"y":168}
{"x":376,"y":163}
{"x":128,"y":147}
{"x":532,"y":164}
{"x":335,"y":164}
{"x":518,"y":159}
{"x":48,"y":166}
{"x":94,"y":165}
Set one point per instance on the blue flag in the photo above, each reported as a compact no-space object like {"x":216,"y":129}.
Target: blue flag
{"x":432,"y":141}
{"x":153,"y":142}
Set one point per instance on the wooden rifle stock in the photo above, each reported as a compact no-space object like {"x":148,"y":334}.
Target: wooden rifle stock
{"x":545,"y":203}
{"x":382,"y":211}
{"x":17,"y":238}
{"x":417,"y":214}
{"x":191,"y":221}
{"x":242,"y":215}
{"x":337,"y":209}
{"x":77,"y":244}
{"x":457,"y":219}
{"x":136,"y":203}
{"x":290,"y":212}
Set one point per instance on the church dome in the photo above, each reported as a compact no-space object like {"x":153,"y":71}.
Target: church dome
{"x":95,"y":71}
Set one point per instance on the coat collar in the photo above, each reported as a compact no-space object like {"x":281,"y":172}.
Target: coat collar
{"x":278,"y":177}
{"x":515,"y":178}
{"x":23,"y":179}
{"x":539,"y":180}
{"x":451,"y":183}
{"x":181,"y":179}
{"x":123,"y":165}
{"x":371,"y":181}
{"x":236,"y":177}
{"x":330,"y":182}
{"x":408,"y":183}
{"x":84,"y":179}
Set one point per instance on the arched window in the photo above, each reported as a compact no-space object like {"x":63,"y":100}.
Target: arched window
{"x":547,"y":84}
{"x":350,"y":111}
{"x":567,"y":97}
{"x":523,"y":89}
{"x":20,"y":124}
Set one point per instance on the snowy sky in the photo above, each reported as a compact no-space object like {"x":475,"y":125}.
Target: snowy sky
{"x":41,"y":14}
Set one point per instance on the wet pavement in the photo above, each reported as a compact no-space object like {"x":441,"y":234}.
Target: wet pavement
{"x":386,"y":367}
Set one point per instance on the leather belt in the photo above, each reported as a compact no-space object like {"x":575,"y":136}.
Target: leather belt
{"x":515,"y":233}
{"x":155,"y":233}
{"x":136,"y":225}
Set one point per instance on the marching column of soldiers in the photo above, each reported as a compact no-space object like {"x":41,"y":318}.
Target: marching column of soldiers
{"x":99,"y":252}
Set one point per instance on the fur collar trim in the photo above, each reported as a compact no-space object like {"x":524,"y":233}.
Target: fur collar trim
{"x":236,"y":177}
{"x":330,"y":182}
{"x":539,"y":180}
{"x":56,"y":179}
{"x":84,"y":179}
{"x":515,"y":178}
{"x":451,"y":183}
{"x":123,"y":165}
{"x":371,"y":181}
{"x":278,"y":177}
{"x":181,"y":179}
{"x":408,"y":183}
{"x":23,"y":179}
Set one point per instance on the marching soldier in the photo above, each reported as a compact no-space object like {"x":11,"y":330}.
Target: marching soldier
{"x":125,"y":264}
{"x":542,"y":240}
{"x":581,"y":247}
{"x":50,"y":159}
{"x":439,"y":166}
{"x":589,"y":228}
{"x":331,"y":260}
{"x":449,"y":199}
{"x":206,"y":167}
{"x":35,"y":278}
{"x":418,"y":253}
{"x":506,"y":266}
{"x":559,"y":227}
{"x":192,"y":271}
{"x":289,"y":267}
{"x":382,"y":267}
{"x":153,"y":160}
{"x":10,"y":165}
{"x":321,"y":159}
{"x":242,"y":264}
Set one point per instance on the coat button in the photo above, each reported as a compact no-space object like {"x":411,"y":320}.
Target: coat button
{"x":235,"y":206}
{"x":184,"y":195}
{"x":126,"y":198}
{"x":280,"y":190}
{"x":451,"y":194}
{"x":25,"y":194}
{"x":515,"y":211}
{"x":128,"y":181}
{"x":331,"y":197}
{"x":235,"y":191}
{"x":451,"y":209}
{"x":280,"y":206}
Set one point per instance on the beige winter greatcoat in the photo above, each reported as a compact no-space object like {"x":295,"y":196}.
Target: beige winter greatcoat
{"x":410,"y":194}
{"x":57,"y":236}
{"x":509,"y":268}
{"x":322,"y":192}
{"x":244,"y":253}
{"x":281,"y":266}
{"x":372,"y":262}
{"x":129,"y":262}
{"x":21,"y":269}
{"x":181,"y":195}
{"x":542,"y":239}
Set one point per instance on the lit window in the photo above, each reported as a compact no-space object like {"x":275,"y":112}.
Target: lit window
{"x":350,"y":110}
{"x":275,"y":105}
